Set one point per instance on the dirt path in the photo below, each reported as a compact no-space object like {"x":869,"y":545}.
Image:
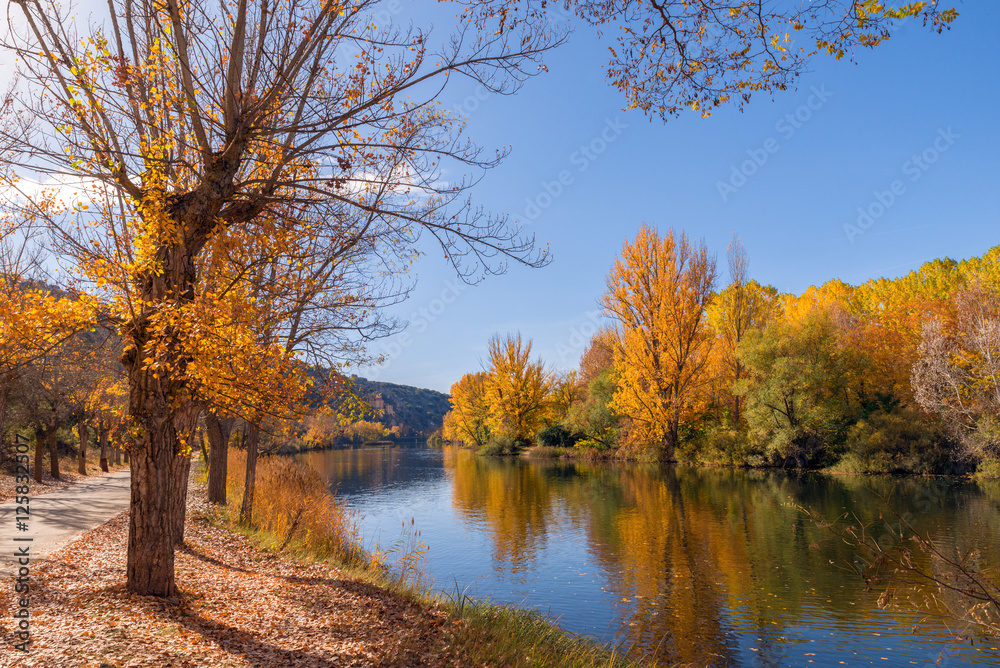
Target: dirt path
{"x":56,"y":518}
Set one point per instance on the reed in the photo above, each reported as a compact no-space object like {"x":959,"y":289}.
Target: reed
{"x":294,"y":508}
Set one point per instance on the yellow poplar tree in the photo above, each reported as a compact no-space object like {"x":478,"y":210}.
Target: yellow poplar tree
{"x":516,"y":388}
{"x":658,"y":291}
{"x":468,"y":419}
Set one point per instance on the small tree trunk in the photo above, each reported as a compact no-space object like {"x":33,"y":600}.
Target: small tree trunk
{"x":53,"y":451}
{"x":104,"y":447}
{"x":84,"y":432}
{"x":218,"y":430}
{"x":39,"y":450}
{"x":178,"y":497}
{"x":6,"y":452}
{"x":116,"y":455}
{"x":250,"y":480}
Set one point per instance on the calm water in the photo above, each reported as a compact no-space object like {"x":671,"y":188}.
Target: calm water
{"x":702,"y":566}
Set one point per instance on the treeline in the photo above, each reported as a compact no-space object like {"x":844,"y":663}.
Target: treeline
{"x":62,"y":393}
{"x":894,"y":375}
{"x":65,"y":391}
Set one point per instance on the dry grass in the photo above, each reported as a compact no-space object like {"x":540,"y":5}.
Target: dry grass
{"x":293,"y":505}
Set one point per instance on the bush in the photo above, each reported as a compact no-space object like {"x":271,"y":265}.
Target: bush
{"x":555,"y":436}
{"x":500,"y":446}
{"x":988,"y":468}
{"x":897,"y":442}
{"x":717,"y":445}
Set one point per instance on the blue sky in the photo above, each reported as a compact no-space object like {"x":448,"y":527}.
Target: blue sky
{"x":852,"y":138}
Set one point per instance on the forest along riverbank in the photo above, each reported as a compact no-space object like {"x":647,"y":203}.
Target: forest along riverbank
{"x":244,"y":602}
{"x":687,"y":564}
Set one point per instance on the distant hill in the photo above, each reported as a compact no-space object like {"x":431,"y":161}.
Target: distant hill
{"x":415,"y":408}
{"x":420,"y":409}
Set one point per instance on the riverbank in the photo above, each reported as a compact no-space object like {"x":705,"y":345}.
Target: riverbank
{"x":244,"y":603}
{"x":989,"y":470}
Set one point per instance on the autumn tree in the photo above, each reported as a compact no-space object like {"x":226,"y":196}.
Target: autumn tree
{"x":565,"y":389}
{"x":516,"y":388}
{"x":657,"y":292}
{"x":179,"y":126}
{"x":598,"y":356}
{"x":743,"y":306}
{"x":35,"y":320}
{"x":675,"y":55}
{"x":469,"y":418}
{"x":957,"y":373}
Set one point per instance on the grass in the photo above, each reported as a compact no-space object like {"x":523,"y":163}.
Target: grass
{"x":295,"y":511}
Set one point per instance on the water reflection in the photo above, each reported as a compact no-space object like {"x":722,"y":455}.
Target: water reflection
{"x":703,"y":566}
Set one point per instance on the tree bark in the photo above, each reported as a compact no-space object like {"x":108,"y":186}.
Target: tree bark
{"x":178,"y":497}
{"x":150,"y":568}
{"x":104,"y":447}
{"x":50,"y":436}
{"x":219,"y":430}
{"x":84,"y":431}
{"x":6,"y":452}
{"x":250,"y":479}
{"x":39,"y":450}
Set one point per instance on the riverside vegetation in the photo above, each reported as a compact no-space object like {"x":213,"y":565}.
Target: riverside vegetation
{"x":891,"y":376}
{"x":295,"y":511}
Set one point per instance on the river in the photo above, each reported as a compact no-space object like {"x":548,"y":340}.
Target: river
{"x":712,"y":567}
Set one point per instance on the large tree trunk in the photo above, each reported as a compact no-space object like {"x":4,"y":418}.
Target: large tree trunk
{"x":104,"y":447}
{"x":250,"y":479}
{"x":84,"y":431}
{"x":39,"y":450}
{"x":218,"y":430}
{"x":50,"y":436}
{"x":150,"y":568}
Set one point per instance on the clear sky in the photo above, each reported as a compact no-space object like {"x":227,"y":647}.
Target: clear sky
{"x":841,"y":141}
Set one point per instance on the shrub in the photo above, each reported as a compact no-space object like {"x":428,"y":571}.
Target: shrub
{"x":555,"y":436}
{"x":988,"y":468}
{"x":717,"y":445}
{"x":897,"y":442}
{"x":500,"y":446}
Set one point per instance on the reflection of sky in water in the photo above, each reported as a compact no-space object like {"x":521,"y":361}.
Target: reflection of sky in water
{"x":561,"y":568}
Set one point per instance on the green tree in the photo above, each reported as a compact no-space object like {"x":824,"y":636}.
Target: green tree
{"x":593,"y":418}
{"x":796,"y":389}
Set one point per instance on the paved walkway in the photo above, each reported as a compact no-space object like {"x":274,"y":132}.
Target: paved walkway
{"x":59,"y":517}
